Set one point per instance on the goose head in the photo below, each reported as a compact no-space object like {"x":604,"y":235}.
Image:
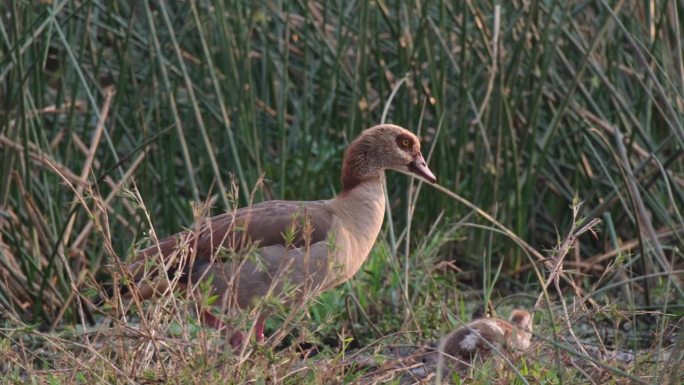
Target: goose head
{"x":382,"y":147}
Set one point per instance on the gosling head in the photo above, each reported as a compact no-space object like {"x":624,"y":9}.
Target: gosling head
{"x":385,"y":146}
{"x":522,"y":333}
{"x":522,"y":319}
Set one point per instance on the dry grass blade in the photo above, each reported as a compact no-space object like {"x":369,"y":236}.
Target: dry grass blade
{"x":90,"y":156}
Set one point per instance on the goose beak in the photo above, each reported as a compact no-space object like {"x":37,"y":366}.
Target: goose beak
{"x":420,"y":168}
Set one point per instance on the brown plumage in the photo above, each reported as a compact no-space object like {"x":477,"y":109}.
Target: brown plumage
{"x":307,"y":246}
{"x":466,"y":345}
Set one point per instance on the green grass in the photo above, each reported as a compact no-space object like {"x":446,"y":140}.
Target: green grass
{"x":116,"y":118}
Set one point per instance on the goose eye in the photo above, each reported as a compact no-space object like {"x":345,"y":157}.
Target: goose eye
{"x":405,"y":143}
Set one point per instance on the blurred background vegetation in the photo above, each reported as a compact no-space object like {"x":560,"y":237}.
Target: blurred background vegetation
{"x":522,"y":106}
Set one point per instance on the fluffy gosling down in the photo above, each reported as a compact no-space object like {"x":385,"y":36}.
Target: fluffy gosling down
{"x":480,"y":339}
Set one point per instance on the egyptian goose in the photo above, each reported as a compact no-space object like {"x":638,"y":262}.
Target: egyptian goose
{"x":308,"y":247}
{"x":460,"y":349}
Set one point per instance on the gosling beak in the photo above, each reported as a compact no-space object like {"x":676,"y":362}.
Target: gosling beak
{"x":420,"y":168}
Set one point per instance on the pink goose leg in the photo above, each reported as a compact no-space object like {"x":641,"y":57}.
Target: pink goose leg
{"x":236,"y":337}
{"x":213,"y":321}
{"x":259,"y":329}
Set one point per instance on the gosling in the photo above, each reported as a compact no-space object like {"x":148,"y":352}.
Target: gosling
{"x":473,"y":343}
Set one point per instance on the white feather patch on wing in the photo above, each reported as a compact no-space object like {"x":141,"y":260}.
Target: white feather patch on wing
{"x":470,"y":341}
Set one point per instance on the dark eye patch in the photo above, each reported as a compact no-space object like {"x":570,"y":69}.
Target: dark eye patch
{"x":405,"y":142}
